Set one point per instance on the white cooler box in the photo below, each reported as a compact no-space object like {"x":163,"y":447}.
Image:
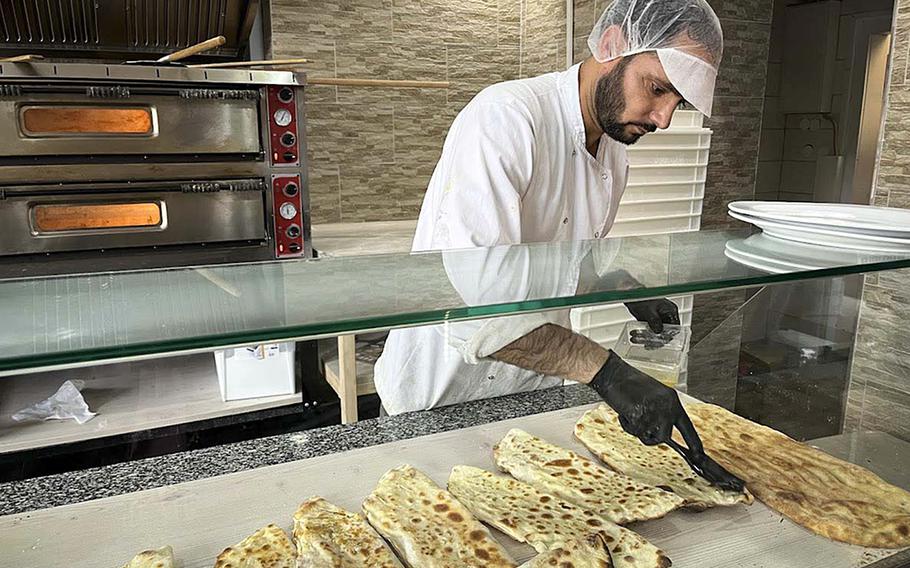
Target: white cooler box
{"x":256,"y":371}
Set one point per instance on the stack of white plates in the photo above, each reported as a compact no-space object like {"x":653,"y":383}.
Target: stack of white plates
{"x":813,"y":236}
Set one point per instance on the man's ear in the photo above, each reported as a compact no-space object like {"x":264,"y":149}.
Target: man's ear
{"x":612,"y":42}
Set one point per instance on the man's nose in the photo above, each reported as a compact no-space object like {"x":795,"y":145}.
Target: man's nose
{"x":662,"y":116}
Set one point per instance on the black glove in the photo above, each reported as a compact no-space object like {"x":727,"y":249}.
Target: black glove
{"x":655,"y":313}
{"x":650,"y":410}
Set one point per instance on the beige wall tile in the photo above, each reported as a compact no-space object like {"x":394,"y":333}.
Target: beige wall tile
{"x":471,"y":69}
{"x":468,"y":22}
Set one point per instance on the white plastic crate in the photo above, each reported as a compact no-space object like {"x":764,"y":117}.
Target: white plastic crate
{"x":256,"y":371}
{"x":656,"y":225}
{"x":659,"y":207}
{"x":664,"y":194}
{"x":689,"y":137}
{"x":668,"y":155}
{"x":647,"y":190}
{"x":668,"y":172}
{"x":687,"y":119}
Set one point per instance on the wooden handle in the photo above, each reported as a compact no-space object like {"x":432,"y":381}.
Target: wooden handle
{"x":377,"y":83}
{"x":265,"y":62}
{"x":206,"y":45}
{"x":23,"y":58}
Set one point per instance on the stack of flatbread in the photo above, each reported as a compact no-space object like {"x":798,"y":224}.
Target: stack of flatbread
{"x":545,"y":521}
{"x":330,"y":537}
{"x":831,"y":497}
{"x":588,"y":552}
{"x":659,"y":466}
{"x":269,"y":547}
{"x":578,"y":480}
{"x":427,"y":527}
{"x":160,"y":558}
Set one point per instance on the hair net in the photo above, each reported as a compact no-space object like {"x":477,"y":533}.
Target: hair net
{"x":685,"y":34}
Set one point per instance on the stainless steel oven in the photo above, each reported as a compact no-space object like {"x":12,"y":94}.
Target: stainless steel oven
{"x":108,"y":166}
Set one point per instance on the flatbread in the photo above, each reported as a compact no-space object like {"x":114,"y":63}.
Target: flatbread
{"x":545,"y":521}
{"x":427,"y":527}
{"x":599,"y":430}
{"x":330,"y":537}
{"x":161,"y":558}
{"x":588,"y":552}
{"x":828,"y":496}
{"x":578,"y":480}
{"x":269,"y":547}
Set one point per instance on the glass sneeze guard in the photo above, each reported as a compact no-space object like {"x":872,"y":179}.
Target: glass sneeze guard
{"x":70,"y":320}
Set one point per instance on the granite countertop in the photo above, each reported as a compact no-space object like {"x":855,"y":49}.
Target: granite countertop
{"x":73,"y":487}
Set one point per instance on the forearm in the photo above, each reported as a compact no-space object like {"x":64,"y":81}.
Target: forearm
{"x":557,"y":351}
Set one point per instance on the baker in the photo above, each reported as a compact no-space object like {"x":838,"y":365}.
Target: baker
{"x":542,"y":160}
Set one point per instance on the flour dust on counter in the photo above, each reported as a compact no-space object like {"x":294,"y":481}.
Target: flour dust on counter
{"x":659,"y":466}
{"x":428,"y":527}
{"x":545,"y":521}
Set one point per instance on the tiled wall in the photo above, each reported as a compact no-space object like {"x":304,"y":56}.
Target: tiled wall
{"x":879,"y":395}
{"x":791,"y":144}
{"x":372,"y":151}
{"x":738,"y":103}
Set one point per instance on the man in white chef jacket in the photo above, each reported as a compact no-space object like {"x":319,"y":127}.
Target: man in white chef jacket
{"x":542,"y":160}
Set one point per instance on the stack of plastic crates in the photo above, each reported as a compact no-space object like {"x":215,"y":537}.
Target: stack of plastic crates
{"x":665,"y":193}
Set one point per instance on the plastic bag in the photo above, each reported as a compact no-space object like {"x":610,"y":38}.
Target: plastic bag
{"x":67,"y":402}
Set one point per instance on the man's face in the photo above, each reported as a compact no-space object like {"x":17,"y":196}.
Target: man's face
{"x":634,"y":98}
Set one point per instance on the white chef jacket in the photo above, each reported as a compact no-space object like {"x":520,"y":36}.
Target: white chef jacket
{"x":514,"y":169}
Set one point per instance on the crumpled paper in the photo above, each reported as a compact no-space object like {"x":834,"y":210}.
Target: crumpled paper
{"x":66,"y":403}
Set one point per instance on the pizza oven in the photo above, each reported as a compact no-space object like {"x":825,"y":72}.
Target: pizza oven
{"x":109,"y":166}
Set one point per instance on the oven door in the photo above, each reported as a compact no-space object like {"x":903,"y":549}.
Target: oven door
{"x":171,"y":123}
{"x":177,"y":213}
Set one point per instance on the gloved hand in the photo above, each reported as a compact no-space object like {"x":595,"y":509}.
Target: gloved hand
{"x":655,"y":313}
{"x":649,"y":410}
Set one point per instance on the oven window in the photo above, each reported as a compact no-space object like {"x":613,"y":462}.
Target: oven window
{"x":57,"y":218}
{"x":42,"y":121}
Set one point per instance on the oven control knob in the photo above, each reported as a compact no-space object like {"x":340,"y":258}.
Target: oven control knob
{"x":287,"y":211}
{"x":286,"y":94}
{"x":282,"y":117}
{"x":288,"y":139}
{"x":291,"y":189}
{"x":294,"y":247}
{"x":289,"y":156}
{"x":293,"y":231}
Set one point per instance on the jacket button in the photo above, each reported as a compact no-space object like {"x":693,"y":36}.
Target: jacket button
{"x":604,"y":177}
{"x":565,"y":221}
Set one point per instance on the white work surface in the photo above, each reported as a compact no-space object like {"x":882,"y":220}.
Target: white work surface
{"x":355,"y":239}
{"x":202,"y":517}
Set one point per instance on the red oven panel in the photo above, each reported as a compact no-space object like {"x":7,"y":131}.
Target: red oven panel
{"x":288,"y":216}
{"x":285,"y":145}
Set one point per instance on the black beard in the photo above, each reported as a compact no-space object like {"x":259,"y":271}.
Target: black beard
{"x":610,"y":103}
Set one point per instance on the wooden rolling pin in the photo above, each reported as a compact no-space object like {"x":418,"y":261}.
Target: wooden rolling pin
{"x":206,"y":45}
{"x":22,"y":58}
